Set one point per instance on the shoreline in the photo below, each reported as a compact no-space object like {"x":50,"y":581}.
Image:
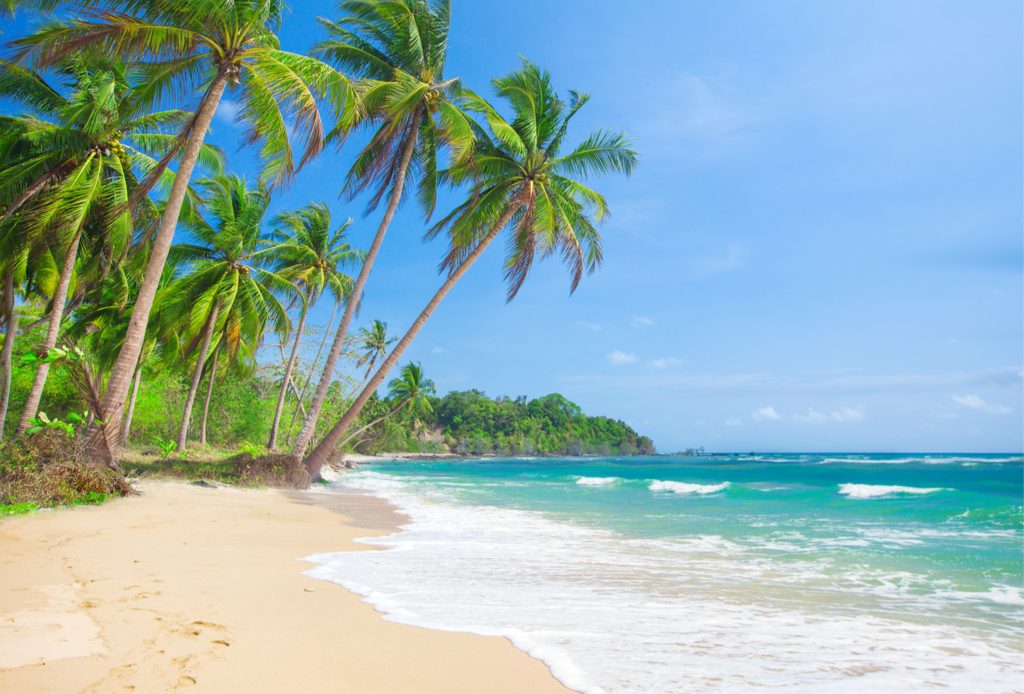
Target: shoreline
{"x":202,"y":587}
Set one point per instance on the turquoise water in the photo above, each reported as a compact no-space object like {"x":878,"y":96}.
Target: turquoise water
{"x":812,"y":572}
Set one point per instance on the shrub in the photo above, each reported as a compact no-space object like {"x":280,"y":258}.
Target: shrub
{"x":48,"y":469}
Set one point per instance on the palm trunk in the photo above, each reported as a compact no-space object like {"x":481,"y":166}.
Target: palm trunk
{"x":309,"y":427}
{"x":126,"y":429}
{"x":320,"y":454}
{"x":300,"y":395}
{"x":272,"y":443}
{"x":120,"y":377}
{"x":357,"y":432}
{"x":211,"y":323}
{"x":11,"y":321}
{"x":206,"y":401}
{"x":60,"y":295}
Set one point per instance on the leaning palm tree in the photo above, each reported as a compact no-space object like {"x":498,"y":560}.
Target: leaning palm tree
{"x":520,"y":180}
{"x":312,"y":257}
{"x":398,"y":49}
{"x":70,"y":167}
{"x":226,"y":289}
{"x":410,"y":392}
{"x":374,"y":344}
{"x":205,"y":46}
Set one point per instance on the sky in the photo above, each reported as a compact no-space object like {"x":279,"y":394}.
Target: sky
{"x":821,"y":249}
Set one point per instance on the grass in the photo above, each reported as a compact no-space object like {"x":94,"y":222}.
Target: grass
{"x":17,"y":509}
{"x":252,"y":468}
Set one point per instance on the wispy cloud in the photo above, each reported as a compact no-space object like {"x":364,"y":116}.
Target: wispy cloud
{"x":843,"y":414}
{"x":641,"y":322}
{"x":587,"y":325}
{"x":666,"y":362}
{"x":731,"y":258}
{"x":227,"y":111}
{"x":438,"y":350}
{"x":975,"y":402}
{"x":619,"y":358}
{"x":765,"y":414}
{"x":697,"y":107}
{"x":733,"y":422}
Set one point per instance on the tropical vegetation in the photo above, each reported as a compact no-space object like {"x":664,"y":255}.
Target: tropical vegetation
{"x":136,"y":266}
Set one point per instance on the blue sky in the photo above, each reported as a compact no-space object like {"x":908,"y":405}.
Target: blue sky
{"x":821,"y":250}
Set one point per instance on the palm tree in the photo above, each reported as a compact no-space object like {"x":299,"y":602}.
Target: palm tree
{"x":374,"y":344}
{"x":69,"y":173}
{"x":10,"y":319}
{"x":227,"y":288}
{"x":411,"y":392}
{"x":310,"y":256}
{"x":209,"y":46}
{"x":398,"y":50}
{"x":520,"y":180}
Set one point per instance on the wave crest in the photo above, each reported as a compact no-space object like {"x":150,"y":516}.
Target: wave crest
{"x":596,"y":481}
{"x":877,"y":491}
{"x":686,"y":488}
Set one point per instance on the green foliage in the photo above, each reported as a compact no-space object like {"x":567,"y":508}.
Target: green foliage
{"x":252,"y":449}
{"x":17,"y":509}
{"x":42,"y":421}
{"x":470,"y":423}
{"x":166,"y":446}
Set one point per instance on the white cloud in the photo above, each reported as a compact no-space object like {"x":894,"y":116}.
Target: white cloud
{"x":618,"y":357}
{"x":228,"y":110}
{"x":733,"y":257}
{"x":696,"y":107}
{"x":641,"y":322}
{"x":765,"y":414}
{"x":975,"y":402}
{"x":666,"y":362}
{"x":438,"y":350}
{"x":589,"y":326}
{"x":733,"y":422}
{"x":843,"y":414}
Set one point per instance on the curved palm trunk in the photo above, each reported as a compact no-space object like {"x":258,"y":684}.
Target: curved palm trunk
{"x":126,"y":429}
{"x":11,"y":321}
{"x":309,"y":427}
{"x":272,"y":443}
{"x":300,"y":394}
{"x":206,"y":400}
{"x":197,"y":375}
{"x":60,"y":295}
{"x":320,"y":454}
{"x":387,"y":415}
{"x":120,"y":376}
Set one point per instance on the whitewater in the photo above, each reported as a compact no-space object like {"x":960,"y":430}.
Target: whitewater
{"x":802,"y":573}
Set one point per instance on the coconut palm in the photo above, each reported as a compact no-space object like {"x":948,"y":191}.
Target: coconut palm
{"x":226,"y":289}
{"x":373,"y":345}
{"x":10,"y":321}
{"x":520,"y":180}
{"x":205,"y":46}
{"x":312,"y":257}
{"x":70,"y":167}
{"x":398,"y":50}
{"x":410,"y":392}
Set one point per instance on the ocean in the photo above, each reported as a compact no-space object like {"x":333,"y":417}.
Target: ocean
{"x":792,"y":573}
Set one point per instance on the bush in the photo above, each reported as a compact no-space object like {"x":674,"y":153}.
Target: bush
{"x":48,"y":469}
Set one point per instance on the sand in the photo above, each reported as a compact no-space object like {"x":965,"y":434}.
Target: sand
{"x":187,"y":587}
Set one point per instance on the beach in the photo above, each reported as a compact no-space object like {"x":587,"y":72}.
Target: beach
{"x":202,"y":588}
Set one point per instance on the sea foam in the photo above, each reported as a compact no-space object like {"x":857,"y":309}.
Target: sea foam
{"x":686,"y":488}
{"x":640,"y":615}
{"x":878,"y":491}
{"x":597,"y":481}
